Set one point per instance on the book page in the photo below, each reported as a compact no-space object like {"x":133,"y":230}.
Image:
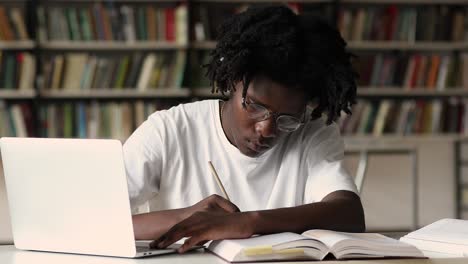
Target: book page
{"x":446,"y":230}
{"x":258,"y":246}
{"x":331,"y":238}
{"x":364,"y":245}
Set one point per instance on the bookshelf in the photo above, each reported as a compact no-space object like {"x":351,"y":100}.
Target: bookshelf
{"x":124,"y":93}
{"x":110,"y":46}
{"x":18,"y":70}
{"x":17,"y":95}
{"x":17,"y":45}
{"x":404,"y":45}
{"x":57,"y":28}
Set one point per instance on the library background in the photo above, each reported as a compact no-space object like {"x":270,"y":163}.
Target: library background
{"x":97,"y":69}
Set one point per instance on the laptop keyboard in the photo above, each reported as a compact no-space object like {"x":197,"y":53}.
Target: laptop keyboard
{"x":142,"y":249}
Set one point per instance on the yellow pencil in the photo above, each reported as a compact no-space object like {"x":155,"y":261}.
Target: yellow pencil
{"x":220,"y":184}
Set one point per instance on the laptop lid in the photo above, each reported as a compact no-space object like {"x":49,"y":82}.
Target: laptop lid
{"x":6,"y":237}
{"x":68,"y":195}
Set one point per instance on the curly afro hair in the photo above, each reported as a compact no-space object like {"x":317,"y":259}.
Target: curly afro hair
{"x":298,"y":51}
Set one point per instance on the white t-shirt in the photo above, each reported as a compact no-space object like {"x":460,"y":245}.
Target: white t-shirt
{"x":166,"y":160}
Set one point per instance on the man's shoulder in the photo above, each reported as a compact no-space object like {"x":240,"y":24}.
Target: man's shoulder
{"x":199,"y":107}
{"x":319,"y":127}
{"x":313,"y":133}
{"x":192,"y":110}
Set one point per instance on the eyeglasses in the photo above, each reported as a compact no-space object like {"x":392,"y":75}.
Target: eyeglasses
{"x":285,"y":123}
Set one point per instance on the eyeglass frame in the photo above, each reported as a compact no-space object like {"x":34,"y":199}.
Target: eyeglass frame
{"x":270,"y":113}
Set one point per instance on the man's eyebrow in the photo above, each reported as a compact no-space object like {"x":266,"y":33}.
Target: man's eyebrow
{"x":254,"y":100}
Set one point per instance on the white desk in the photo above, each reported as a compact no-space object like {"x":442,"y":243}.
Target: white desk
{"x":10,"y":255}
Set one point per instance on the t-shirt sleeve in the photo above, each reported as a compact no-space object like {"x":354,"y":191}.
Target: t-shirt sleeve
{"x":143,"y":162}
{"x":324,"y":159}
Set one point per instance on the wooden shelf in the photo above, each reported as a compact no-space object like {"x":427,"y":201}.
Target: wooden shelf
{"x":17,"y":45}
{"x":17,"y":94}
{"x":129,"y":93}
{"x":207,"y":45}
{"x":111,"y":45}
{"x":390,"y":139}
{"x":206,"y":93}
{"x":117,"y":1}
{"x":405,"y":92}
{"x":260,"y":1}
{"x":405,"y":45}
{"x":410,"y":2}
{"x":374,"y":92}
{"x":376,"y":45}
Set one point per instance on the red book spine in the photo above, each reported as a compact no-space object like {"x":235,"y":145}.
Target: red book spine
{"x":170,"y":24}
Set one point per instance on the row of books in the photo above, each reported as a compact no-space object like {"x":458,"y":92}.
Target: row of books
{"x":83,"y":71}
{"x":12,"y":24}
{"x":206,"y":17}
{"x":119,"y":119}
{"x":407,"y":117}
{"x":432,"y":71}
{"x":115,"y":120}
{"x":110,"y":22}
{"x":398,"y":23}
{"x":16,"y":120}
{"x":169,"y":23}
{"x":17,"y":70}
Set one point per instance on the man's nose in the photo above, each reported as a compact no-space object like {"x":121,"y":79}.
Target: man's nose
{"x":267,"y":127}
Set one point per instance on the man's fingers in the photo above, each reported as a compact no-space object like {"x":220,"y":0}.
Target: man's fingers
{"x":165,"y":240}
{"x":154,"y":243}
{"x":227,"y":205}
{"x":191,"y":242}
{"x":201,"y":243}
{"x":183,"y":229}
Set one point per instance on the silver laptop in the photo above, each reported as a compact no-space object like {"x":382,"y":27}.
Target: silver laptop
{"x":6,"y":237}
{"x":70,"y":195}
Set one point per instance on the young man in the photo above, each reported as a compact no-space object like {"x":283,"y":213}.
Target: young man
{"x":279,"y":161}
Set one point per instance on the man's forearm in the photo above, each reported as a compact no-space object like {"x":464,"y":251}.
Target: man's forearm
{"x":152,"y":225}
{"x":340,"y":214}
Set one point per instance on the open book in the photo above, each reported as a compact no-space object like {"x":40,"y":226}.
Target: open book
{"x":444,"y":238}
{"x":313,"y":244}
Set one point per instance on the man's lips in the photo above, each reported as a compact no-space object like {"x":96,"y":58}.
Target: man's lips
{"x":258,"y":147}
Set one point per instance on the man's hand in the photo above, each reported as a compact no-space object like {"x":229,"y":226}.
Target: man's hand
{"x":213,"y":203}
{"x":153,"y":225}
{"x":209,"y":213}
{"x":203,"y":226}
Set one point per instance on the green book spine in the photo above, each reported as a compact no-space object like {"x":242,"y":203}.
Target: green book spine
{"x":11,"y":121}
{"x":85,"y":25}
{"x":122,"y":72}
{"x":10,"y":71}
{"x":81,"y":120}
{"x":68,"y":121}
{"x":71,"y":30}
{"x":180,"y":68}
{"x":134,"y":69}
{"x":75,"y":24}
{"x":142,"y":24}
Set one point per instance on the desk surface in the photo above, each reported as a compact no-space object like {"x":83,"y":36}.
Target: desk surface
{"x":10,"y":255}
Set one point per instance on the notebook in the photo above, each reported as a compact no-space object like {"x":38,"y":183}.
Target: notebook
{"x":312,"y":245}
{"x":445,"y":237}
{"x":70,"y":195}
